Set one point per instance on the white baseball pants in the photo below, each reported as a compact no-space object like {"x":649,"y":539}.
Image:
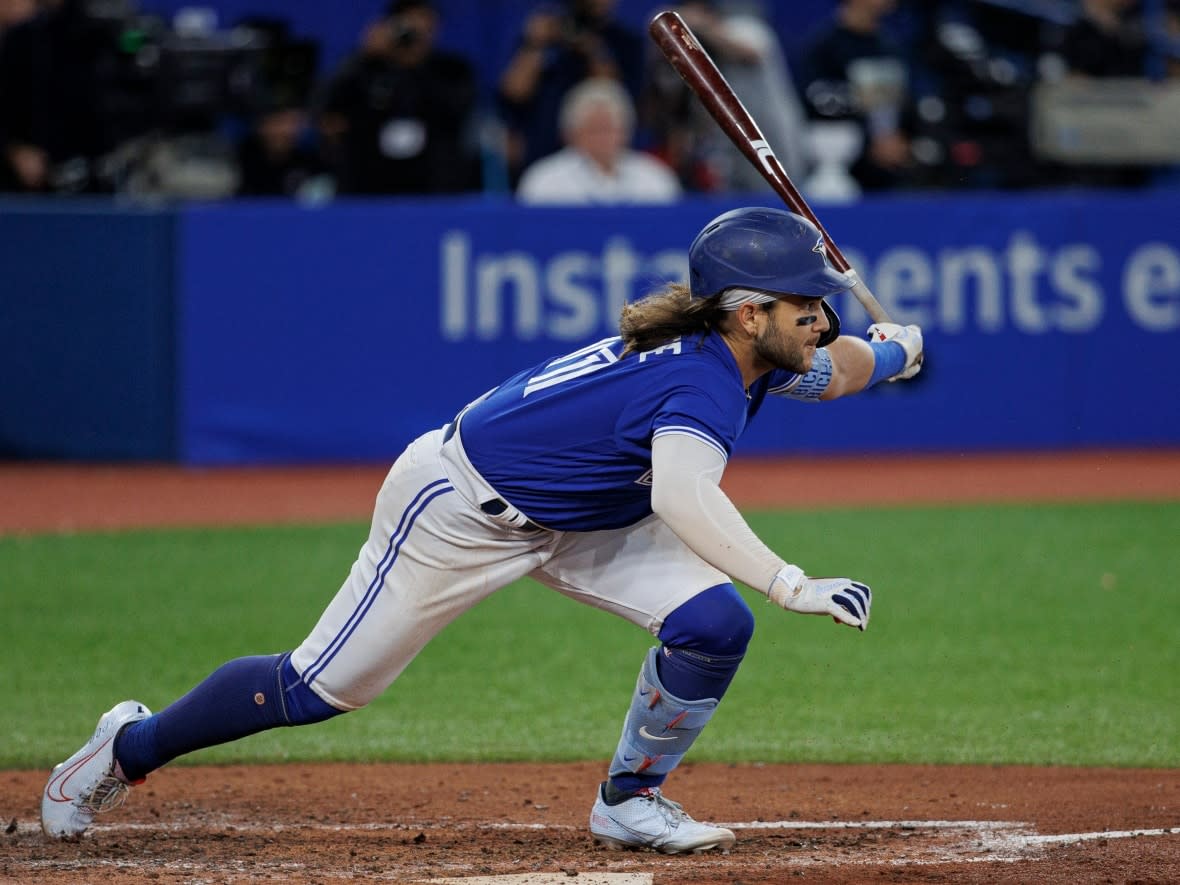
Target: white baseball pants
{"x":432,"y":553}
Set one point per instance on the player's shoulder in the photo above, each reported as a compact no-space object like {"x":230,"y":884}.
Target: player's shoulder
{"x":703,"y":346}
{"x":694,"y":364}
{"x":685,"y":354}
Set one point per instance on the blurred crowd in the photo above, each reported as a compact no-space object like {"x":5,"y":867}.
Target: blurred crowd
{"x":882,"y":95}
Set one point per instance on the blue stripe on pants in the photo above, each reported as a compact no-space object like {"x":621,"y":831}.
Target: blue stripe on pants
{"x":405,"y":524}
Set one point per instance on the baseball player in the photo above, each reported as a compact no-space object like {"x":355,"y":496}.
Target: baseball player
{"x":595,"y":473}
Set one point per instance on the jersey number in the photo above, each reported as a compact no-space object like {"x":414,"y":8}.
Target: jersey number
{"x":574,"y":365}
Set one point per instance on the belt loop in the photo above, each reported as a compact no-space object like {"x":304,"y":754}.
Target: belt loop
{"x":497,"y":507}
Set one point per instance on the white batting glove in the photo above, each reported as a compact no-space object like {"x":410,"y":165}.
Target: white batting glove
{"x":848,"y":602}
{"x":909,"y":337}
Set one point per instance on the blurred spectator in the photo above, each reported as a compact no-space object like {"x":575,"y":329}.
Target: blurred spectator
{"x":13,"y":12}
{"x":50,"y":100}
{"x":562,"y":45}
{"x":17,"y":165}
{"x":597,"y":165}
{"x":974,"y":66}
{"x":1172,"y":33}
{"x":398,"y":115}
{"x":1107,"y":40}
{"x":280,"y":156}
{"x":851,"y":70}
{"x":749,"y":55}
{"x":96,"y":97}
{"x":276,"y":160}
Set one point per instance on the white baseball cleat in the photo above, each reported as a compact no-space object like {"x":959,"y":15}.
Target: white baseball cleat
{"x":85,"y":784}
{"x":648,"y":820}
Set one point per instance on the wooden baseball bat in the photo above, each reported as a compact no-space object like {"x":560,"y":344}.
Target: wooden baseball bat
{"x":684,"y":52}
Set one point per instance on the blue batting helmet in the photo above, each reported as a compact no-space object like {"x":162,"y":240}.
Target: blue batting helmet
{"x":768,"y":250}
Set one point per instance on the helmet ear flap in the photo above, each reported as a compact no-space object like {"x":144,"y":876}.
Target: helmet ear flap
{"x":833,"y":325}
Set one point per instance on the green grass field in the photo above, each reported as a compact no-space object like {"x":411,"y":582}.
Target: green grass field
{"x":1042,"y":634}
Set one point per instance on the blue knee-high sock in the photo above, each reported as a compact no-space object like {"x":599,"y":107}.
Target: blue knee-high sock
{"x":704,"y":641}
{"x":240,"y":698}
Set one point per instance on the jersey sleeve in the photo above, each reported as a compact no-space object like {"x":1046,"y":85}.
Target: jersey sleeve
{"x":696,"y":413}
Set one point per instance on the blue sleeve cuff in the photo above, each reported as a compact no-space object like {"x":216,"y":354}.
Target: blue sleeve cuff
{"x":888,"y":359}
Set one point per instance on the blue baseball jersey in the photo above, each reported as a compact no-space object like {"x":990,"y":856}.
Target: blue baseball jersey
{"x":568,"y":442}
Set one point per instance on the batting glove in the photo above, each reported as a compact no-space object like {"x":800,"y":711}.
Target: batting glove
{"x":848,"y":602}
{"x":909,"y":337}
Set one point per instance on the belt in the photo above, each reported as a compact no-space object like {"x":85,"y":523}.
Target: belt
{"x":495,"y":506}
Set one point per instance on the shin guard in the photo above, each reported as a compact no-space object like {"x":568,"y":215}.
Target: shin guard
{"x":659,"y":727}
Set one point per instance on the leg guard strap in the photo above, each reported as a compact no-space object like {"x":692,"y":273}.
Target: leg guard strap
{"x":659,"y":728}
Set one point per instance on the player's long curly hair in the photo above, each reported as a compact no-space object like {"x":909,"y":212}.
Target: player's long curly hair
{"x":669,"y":313}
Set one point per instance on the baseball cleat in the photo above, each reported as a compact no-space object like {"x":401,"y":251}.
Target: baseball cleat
{"x":86,"y":784}
{"x":648,"y":820}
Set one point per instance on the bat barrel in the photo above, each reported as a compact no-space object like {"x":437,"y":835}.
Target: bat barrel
{"x":694,"y":65}
{"x":689,"y":59}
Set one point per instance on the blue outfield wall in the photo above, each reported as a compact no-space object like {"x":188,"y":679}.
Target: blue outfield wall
{"x":341,"y":332}
{"x":265,"y":332}
{"x":87,"y":353}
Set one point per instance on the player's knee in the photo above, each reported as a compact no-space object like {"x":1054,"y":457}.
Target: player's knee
{"x":716,"y":622}
{"x":737,"y":628}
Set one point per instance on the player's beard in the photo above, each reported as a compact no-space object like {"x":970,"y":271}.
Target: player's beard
{"x":782,"y":352}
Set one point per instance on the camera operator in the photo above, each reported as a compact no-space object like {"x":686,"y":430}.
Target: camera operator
{"x":560,"y":47}
{"x":397,"y":115}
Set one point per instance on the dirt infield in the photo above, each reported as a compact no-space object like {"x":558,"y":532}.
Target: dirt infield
{"x":398,"y":823}
{"x":408,"y":823}
{"x":52,"y":497}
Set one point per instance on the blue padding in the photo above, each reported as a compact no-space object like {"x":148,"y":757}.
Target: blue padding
{"x":716,"y":621}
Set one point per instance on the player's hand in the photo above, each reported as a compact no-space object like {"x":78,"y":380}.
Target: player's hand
{"x":909,"y":337}
{"x":846,"y":601}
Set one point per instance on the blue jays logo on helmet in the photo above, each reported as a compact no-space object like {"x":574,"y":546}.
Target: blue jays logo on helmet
{"x":769,"y":250}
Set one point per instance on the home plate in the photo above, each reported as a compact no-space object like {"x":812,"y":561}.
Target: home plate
{"x":550,"y":879}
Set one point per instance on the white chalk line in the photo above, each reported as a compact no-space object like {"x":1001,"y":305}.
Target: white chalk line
{"x":978,"y":841}
{"x":876,"y":825}
{"x":974,"y":826}
{"x":437,"y":824}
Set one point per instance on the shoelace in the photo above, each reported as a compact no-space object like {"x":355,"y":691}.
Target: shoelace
{"x":673,"y":812}
{"x":108,"y":793}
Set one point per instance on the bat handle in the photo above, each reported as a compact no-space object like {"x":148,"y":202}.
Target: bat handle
{"x":868,"y":301}
{"x":873,"y":307}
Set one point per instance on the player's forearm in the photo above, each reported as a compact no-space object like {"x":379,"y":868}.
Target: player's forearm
{"x":686,"y":496}
{"x":852,"y":366}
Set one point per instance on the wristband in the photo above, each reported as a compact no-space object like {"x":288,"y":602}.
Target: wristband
{"x":889,"y":358}
{"x":784,"y":584}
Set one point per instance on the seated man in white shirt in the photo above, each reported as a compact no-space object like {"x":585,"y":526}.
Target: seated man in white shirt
{"x":597,"y":166}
